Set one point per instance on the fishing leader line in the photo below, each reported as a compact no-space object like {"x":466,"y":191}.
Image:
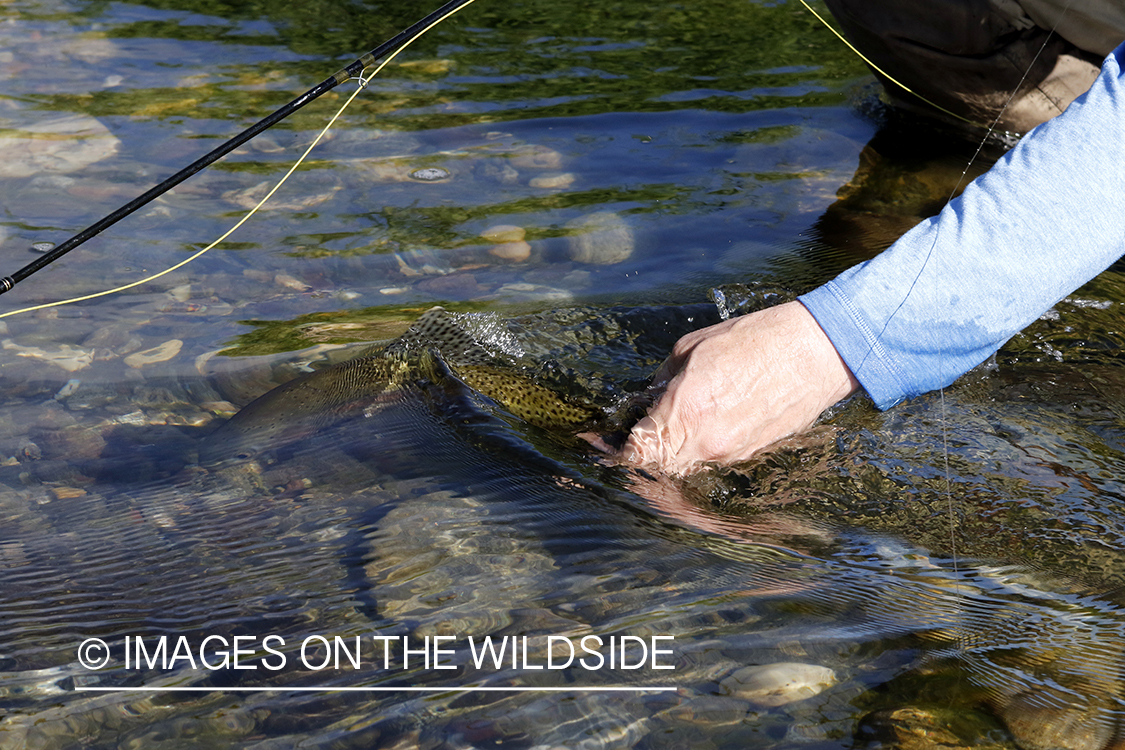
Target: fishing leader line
{"x":354,"y":71}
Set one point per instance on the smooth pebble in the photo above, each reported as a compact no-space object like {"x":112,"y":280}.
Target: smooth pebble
{"x":291,"y":282}
{"x":556,"y":181}
{"x":516,"y":251}
{"x":601,"y":238}
{"x":778,"y":684}
{"x":68,"y":389}
{"x":249,"y":198}
{"x":161,"y":353}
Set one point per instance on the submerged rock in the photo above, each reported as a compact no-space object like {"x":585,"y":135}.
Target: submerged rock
{"x":61,"y":144}
{"x":69,"y":358}
{"x":707,"y":711}
{"x":553,"y":182}
{"x":537,"y":157}
{"x":1040,"y":721}
{"x":249,"y":198}
{"x":509,"y":242}
{"x":916,"y":728}
{"x":501,"y":233}
{"x":778,"y":684}
{"x":514,"y":251}
{"x":161,"y":353}
{"x":70,"y":443}
{"x":538,"y":292}
{"x":601,"y":238}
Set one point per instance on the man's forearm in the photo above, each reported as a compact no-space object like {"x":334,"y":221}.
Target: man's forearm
{"x":1046,"y":219}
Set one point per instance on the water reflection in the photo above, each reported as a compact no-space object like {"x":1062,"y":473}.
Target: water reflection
{"x":982,"y":610}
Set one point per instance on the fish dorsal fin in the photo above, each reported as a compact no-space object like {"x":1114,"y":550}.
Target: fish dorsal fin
{"x":439,"y":329}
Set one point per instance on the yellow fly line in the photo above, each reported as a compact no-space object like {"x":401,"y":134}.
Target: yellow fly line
{"x":882,"y":72}
{"x":363,"y":81}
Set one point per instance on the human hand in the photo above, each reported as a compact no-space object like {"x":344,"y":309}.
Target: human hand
{"x":736,"y":387}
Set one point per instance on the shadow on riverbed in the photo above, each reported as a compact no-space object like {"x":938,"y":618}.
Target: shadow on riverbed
{"x":440,"y":512}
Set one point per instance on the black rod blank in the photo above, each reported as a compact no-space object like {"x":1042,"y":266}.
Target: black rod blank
{"x":344,"y":74}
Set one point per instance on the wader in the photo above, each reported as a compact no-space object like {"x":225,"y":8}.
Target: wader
{"x":968,"y":56}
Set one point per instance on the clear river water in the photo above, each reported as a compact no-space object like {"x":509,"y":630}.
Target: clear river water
{"x":578,"y":185}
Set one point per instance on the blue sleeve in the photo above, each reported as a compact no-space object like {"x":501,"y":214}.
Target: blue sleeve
{"x":1047,"y":218}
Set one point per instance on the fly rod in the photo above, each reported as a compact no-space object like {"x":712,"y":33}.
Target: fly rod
{"x":351,"y":71}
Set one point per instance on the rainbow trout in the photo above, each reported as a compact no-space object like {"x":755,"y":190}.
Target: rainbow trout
{"x":434,"y":349}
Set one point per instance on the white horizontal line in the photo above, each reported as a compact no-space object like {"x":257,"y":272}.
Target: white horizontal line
{"x":282,"y":689}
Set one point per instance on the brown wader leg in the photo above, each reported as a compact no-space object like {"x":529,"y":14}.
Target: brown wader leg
{"x":968,"y":56}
